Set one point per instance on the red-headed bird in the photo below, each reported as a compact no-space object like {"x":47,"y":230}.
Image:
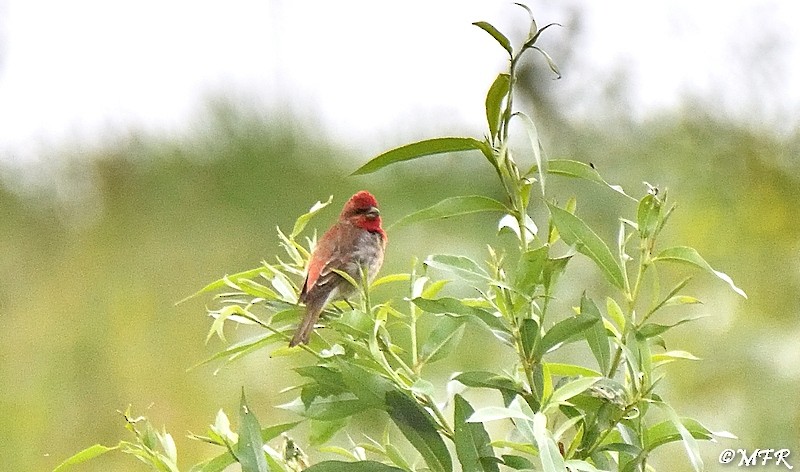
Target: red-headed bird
{"x":355,"y":243}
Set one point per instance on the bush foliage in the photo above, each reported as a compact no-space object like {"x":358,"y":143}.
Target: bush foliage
{"x":602,"y":414}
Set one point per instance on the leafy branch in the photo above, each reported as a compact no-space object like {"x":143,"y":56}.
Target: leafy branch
{"x":374,"y":357}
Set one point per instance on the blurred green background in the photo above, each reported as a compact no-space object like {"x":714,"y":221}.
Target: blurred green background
{"x":99,"y":243}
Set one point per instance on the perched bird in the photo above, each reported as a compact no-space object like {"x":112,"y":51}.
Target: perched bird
{"x":355,"y":243}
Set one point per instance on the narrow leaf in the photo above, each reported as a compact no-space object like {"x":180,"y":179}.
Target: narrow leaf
{"x":550,"y":62}
{"x":482,"y":379}
{"x":217,"y":284}
{"x":461,"y":266}
{"x":529,"y":335}
{"x":529,"y":270}
{"x":517,"y":462}
{"x":85,"y":455}
{"x":596,"y":335}
{"x":549,"y":455}
{"x":419,"y":428}
{"x":536,"y":147}
{"x":360,"y":466}
{"x":494,"y":413}
{"x":494,"y":102}
{"x":301,"y":222}
{"x":647,"y":215}
{"x":576,"y":233}
{"x":391,"y":278}
{"x":421,"y":149}
{"x":271,"y":432}
{"x":689,"y":442}
{"x":452,"y":306}
{"x":570,"y":389}
{"x":250,"y":448}
{"x":453,"y":206}
{"x":565,"y":331}
{"x":569,"y":370}
{"x":442,"y":340}
{"x":497,"y":35}
{"x":688,"y":255}
{"x":651,"y":330}
{"x":472,"y":440}
{"x":666,"y":432}
{"x":615,"y":313}
{"x":579,"y":170}
{"x":669,"y":356}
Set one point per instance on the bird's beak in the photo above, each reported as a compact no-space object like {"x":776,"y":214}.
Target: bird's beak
{"x":373,"y":213}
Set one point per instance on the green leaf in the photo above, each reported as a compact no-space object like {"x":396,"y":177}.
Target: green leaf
{"x":85,"y":455}
{"x":301,"y":222}
{"x":565,"y":331}
{"x":553,"y":268}
{"x":550,"y":62}
{"x":689,"y":442}
{"x":238,"y":350}
{"x":421,"y":149}
{"x":529,"y":270}
{"x":688,"y":255}
{"x":647,"y":215}
{"x":569,"y":370}
{"x":329,"y":407}
{"x":494,"y":102}
{"x":579,"y":170}
{"x":482,"y":379}
{"x":576,"y":233}
{"x":250,"y":448}
{"x":549,"y":455}
{"x":615,"y":313}
{"x":322,"y":431}
{"x":497,"y":35}
{"x":569,"y":390}
{"x":596,"y":335}
{"x":461,"y":266}
{"x":651,"y":330}
{"x":369,"y":386}
{"x":529,"y":334}
{"x":509,"y":222}
{"x":216,"y":464}
{"x":452,"y":306}
{"x":671,"y":356}
{"x":419,"y":428}
{"x":494,"y":413}
{"x":536,"y":146}
{"x":442,"y":340}
{"x":360,"y":466}
{"x":517,"y":462}
{"x":272,"y":432}
{"x":391,"y":278}
{"x":666,"y":432}
{"x":217,"y":284}
{"x":472,"y":441}
{"x":453,"y":206}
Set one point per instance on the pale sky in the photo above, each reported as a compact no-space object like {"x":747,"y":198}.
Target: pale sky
{"x":79,"y":71}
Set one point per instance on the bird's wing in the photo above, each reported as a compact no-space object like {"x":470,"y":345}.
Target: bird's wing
{"x":328,"y":255}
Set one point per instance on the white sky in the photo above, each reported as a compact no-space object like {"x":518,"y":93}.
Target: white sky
{"x":79,"y":70}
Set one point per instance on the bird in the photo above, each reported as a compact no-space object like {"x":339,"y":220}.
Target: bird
{"x":355,"y":243}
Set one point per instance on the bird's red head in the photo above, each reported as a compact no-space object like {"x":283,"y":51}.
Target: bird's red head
{"x":362,"y":210}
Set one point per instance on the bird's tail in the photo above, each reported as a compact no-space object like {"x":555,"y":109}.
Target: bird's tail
{"x":313,"y":309}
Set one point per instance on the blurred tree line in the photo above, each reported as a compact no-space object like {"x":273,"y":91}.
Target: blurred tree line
{"x":90,"y":277}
